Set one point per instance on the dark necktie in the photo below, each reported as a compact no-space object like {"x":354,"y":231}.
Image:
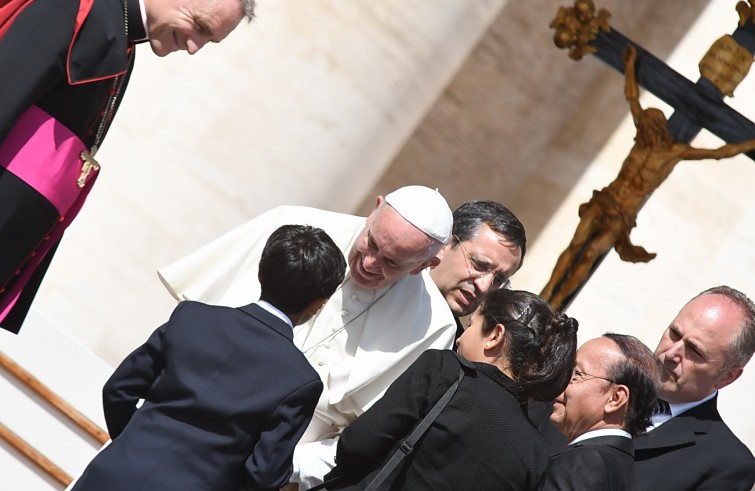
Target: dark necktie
{"x":662,"y":407}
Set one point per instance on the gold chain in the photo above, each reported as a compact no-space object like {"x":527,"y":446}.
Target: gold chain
{"x":114,"y":93}
{"x":89,"y":162}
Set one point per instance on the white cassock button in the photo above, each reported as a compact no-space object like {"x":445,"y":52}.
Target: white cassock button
{"x":355,"y":297}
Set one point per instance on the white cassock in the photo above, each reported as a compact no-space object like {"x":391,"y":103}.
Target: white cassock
{"x":386,"y":329}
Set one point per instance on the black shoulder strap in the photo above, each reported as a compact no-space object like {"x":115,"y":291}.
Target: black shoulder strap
{"x":408,"y":445}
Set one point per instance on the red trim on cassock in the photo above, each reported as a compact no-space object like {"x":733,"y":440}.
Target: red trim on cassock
{"x":9,"y":10}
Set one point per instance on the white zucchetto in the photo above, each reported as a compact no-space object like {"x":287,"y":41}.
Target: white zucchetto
{"x":425,"y":208}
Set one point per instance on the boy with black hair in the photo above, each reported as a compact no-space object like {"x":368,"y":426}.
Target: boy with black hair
{"x":226,"y":393}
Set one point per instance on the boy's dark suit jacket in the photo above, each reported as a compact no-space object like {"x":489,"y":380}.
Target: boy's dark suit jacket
{"x":694,"y":450}
{"x":603,"y":463}
{"x":227,"y":397}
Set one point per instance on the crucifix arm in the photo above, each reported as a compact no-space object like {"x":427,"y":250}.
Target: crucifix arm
{"x":724,"y":152}
{"x":631,"y":89}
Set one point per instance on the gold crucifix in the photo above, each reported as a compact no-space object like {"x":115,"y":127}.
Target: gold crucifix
{"x":608,"y":218}
{"x":88,"y":166}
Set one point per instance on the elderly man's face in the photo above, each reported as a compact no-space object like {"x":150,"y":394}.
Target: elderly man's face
{"x":470,"y":268}
{"x":582,"y":405}
{"x":190,"y":24}
{"x":387,"y":249}
{"x":693,"y":349}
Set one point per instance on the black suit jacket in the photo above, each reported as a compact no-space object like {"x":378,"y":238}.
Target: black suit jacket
{"x":227,"y":397}
{"x":603,"y":463}
{"x":694,"y":450}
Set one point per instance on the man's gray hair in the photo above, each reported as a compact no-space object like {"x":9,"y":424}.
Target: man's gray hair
{"x":248,"y":7}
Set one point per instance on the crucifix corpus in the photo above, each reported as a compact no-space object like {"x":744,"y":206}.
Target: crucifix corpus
{"x":608,"y":218}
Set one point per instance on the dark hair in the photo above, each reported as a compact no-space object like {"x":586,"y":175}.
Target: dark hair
{"x":299,"y":264}
{"x":542,"y":345}
{"x":638,"y":369}
{"x":469,"y":217}
{"x":743,"y":344}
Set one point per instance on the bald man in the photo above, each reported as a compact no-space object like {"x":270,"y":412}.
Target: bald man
{"x":703,"y":350}
{"x":608,"y":402}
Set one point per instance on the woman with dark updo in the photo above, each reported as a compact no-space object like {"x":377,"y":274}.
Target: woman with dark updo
{"x":514,"y":348}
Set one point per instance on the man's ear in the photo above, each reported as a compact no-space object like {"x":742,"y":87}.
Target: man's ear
{"x":728,"y":376}
{"x":619,"y":398}
{"x":378,"y":201}
{"x":432,"y":262}
{"x":440,"y":255}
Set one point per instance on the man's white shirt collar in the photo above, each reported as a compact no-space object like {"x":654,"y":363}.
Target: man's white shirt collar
{"x":677,"y":409}
{"x":144,"y":18}
{"x":273,"y":310}
{"x":601,"y":432}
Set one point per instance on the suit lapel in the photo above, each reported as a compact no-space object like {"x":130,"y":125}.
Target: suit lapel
{"x":268,"y":319}
{"x":682,"y":429}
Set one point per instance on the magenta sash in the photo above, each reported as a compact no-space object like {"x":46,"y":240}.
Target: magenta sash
{"x":47,"y":156}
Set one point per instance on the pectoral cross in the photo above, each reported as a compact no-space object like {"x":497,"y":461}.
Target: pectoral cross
{"x":88,"y":166}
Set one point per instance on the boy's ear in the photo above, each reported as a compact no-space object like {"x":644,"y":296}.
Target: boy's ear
{"x":315,"y":306}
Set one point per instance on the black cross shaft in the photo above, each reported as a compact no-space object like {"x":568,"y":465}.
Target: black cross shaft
{"x":696,"y":105}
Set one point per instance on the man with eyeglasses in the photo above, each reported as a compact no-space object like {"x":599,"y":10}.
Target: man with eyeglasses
{"x":703,"y":350}
{"x":486,"y":248}
{"x":609,"y":401}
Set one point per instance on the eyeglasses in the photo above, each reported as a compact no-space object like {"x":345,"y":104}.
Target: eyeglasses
{"x":482,"y":269}
{"x":578,"y":376}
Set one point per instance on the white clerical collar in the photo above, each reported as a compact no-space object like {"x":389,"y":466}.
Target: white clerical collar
{"x":601,"y":432}
{"x":275,"y":311}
